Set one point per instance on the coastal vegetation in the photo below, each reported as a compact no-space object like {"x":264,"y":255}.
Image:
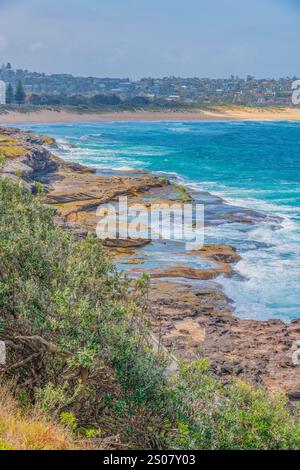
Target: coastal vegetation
{"x":96,"y":104}
{"x":183,"y":193}
{"x":9,"y":94}
{"x":20,"y":93}
{"x":80,"y":352}
{"x":10,"y":147}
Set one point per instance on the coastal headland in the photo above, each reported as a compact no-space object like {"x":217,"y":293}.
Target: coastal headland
{"x":223,"y":113}
{"x":194,"y":318}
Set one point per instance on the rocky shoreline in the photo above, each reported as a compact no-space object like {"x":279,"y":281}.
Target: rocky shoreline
{"x":187,"y":307}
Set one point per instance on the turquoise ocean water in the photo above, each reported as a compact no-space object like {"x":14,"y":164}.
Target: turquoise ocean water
{"x":254,"y":165}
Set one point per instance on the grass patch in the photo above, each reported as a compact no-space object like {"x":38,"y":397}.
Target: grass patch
{"x":19,"y":431}
{"x":183,"y":194}
{"x":10,"y":148}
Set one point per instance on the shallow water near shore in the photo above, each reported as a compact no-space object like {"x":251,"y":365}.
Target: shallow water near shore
{"x":252,"y":165}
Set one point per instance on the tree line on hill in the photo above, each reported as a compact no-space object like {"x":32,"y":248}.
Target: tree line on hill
{"x":18,"y":96}
{"x":15,"y":96}
{"x":98,"y":100}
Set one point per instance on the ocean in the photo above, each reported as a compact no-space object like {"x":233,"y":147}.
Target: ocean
{"x":253,"y":165}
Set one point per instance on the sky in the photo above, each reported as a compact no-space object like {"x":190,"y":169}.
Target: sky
{"x":142,"y":38}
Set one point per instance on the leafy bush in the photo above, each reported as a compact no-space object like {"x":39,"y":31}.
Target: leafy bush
{"x":79,"y":345}
{"x":66,"y":308}
{"x":236,"y":417}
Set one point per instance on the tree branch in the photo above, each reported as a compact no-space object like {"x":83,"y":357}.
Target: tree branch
{"x":51,"y":347}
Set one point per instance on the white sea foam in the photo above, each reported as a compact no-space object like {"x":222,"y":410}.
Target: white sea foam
{"x":269,"y":269}
{"x":270,"y":262}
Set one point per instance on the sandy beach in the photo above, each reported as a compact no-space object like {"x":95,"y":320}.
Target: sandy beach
{"x":230,"y":113}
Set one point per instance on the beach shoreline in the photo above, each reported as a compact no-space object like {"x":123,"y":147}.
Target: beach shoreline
{"x":222,"y":114}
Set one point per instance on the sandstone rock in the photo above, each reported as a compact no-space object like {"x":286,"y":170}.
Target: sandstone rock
{"x":125,"y":243}
{"x":195,"y":320}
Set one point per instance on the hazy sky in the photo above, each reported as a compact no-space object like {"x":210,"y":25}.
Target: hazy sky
{"x":136,"y":38}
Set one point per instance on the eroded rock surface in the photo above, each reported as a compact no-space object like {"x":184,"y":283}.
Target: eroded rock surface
{"x":197,"y":321}
{"x":187,"y":309}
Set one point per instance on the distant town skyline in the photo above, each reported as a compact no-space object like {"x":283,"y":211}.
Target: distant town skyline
{"x":133,"y":38}
{"x":66,"y":89}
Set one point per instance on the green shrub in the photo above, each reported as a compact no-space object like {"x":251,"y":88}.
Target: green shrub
{"x":81,"y":349}
{"x":65,"y":301}
{"x":237,"y":417}
{"x":4,"y":445}
{"x":69,"y":419}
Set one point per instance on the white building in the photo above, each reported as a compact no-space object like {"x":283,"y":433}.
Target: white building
{"x":2,"y":92}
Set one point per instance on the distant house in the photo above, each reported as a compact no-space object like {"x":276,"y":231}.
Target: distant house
{"x":2,"y":92}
